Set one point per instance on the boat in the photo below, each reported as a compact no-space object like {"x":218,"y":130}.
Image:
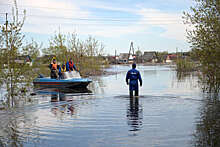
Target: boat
{"x":71,"y":80}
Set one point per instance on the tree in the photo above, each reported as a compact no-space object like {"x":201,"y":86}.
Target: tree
{"x":161,"y":56}
{"x":58,"y":47}
{"x":138,"y":52}
{"x":93,"y":47}
{"x":14,"y":73}
{"x":86,"y":54}
{"x":204,"y":37}
{"x":139,"y":57}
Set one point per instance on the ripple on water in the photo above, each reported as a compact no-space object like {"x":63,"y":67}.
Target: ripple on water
{"x":161,"y":116}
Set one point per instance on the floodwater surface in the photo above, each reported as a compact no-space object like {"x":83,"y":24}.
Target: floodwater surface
{"x":167,"y":113}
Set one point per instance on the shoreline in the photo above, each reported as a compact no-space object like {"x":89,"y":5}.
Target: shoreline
{"x":103,"y":72}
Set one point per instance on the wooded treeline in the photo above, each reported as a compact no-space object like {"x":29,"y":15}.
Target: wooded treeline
{"x":204,"y":37}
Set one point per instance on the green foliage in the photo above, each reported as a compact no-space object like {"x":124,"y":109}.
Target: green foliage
{"x":184,"y":65}
{"x":138,"y":52}
{"x":205,"y":39}
{"x":85,"y":54}
{"x":15,"y":73}
{"x":161,"y":56}
{"x":57,"y":47}
{"x":31,"y":49}
{"x":207,"y":132}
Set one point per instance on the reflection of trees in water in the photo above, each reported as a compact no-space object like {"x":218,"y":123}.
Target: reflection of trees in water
{"x":208,"y":82}
{"x":185,"y":76}
{"x":63,"y":103}
{"x":58,"y":97}
{"x":134,"y":114}
{"x":207,"y":132}
{"x":208,"y":127}
{"x":60,"y":110}
{"x":18,"y":128}
{"x":189,"y":79}
{"x":182,"y":76}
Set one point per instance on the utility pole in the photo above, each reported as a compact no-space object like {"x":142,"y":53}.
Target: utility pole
{"x":115,"y":57}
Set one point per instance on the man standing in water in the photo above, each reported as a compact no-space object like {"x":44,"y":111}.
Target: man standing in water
{"x":132,"y":78}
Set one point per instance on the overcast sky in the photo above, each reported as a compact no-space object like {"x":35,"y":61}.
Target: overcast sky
{"x":153,"y":25}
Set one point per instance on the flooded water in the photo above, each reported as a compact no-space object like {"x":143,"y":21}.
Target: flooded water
{"x":169,"y":112}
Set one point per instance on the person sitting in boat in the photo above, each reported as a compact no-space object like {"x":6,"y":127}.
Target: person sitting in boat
{"x":53,"y":69}
{"x":62,"y":69}
{"x":70,"y":66}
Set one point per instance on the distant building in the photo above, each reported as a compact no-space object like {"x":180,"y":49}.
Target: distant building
{"x":25,"y":59}
{"x":150,"y":57}
{"x":123,"y":58}
{"x":171,"y":58}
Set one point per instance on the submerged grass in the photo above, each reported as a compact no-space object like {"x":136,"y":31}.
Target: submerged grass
{"x":90,"y":66}
{"x":185,"y":65}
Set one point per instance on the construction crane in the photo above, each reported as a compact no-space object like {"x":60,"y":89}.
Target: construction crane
{"x":129,"y":54}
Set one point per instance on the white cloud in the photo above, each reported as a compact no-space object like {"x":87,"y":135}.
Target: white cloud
{"x":171,"y":22}
{"x":46,"y":16}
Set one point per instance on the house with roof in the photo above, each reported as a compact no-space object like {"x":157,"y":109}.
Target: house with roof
{"x":24,"y":59}
{"x":150,"y":57}
{"x":170,"y":58}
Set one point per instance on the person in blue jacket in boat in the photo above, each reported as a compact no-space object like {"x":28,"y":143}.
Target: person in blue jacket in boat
{"x":132,"y":78}
{"x":70,"y":66}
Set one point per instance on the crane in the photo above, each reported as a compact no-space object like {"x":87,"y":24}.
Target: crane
{"x":131,"y":49}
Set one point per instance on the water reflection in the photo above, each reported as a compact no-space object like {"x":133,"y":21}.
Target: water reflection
{"x":182,"y":76}
{"x":186,"y":76}
{"x":18,"y":127}
{"x":208,"y":125}
{"x":60,"y":95}
{"x":110,"y":117}
{"x":60,"y":110}
{"x":97,"y":86}
{"x":134,"y":114}
{"x":21,"y":127}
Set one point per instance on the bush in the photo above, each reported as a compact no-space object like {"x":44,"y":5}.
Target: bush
{"x":185,"y":65}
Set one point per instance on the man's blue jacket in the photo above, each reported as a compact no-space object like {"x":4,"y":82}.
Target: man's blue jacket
{"x":133,"y":75}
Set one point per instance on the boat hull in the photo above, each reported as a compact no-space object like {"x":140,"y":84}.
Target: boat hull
{"x":66,"y":83}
